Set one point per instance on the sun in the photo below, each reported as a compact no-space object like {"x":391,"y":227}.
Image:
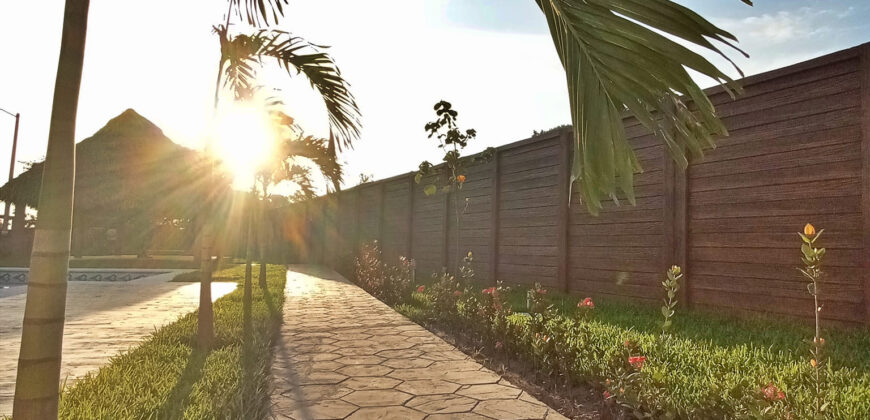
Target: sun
{"x":244,"y":139}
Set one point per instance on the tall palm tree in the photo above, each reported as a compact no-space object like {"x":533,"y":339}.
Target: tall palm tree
{"x":36,"y":385}
{"x":241,"y":56}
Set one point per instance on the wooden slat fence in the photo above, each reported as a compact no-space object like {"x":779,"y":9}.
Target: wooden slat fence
{"x":798,"y":152}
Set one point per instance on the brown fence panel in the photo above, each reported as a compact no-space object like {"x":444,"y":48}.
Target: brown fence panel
{"x":792,"y":158}
{"x":528,"y":209}
{"x":395,"y":218}
{"x":620,"y":251}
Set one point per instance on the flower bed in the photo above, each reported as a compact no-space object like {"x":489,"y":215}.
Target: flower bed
{"x":701,"y":366}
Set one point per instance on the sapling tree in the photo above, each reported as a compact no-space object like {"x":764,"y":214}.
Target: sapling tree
{"x":671,"y":285}
{"x":812,"y":270}
{"x":450,"y":177}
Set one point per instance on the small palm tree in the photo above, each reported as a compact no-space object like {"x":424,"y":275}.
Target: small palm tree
{"x":36,"y":385}
{"x":293,"y":161}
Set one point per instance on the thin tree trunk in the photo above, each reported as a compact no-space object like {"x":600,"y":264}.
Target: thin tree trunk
{"x":205,"y":319}
{"x":36,"y":386}
{"x":262,"y":242}
{"x":249,"y":247}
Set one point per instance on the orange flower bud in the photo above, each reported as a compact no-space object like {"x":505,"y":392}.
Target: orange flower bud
{"x":460,"y":178}
{"x":809,"y":230}
{"x":813,"y":362}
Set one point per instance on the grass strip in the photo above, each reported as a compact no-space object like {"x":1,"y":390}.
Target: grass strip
{"x":166,"y":377}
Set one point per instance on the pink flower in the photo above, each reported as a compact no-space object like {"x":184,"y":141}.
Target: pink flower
{"x":606,"y":395}
{"x":586,"y":303}
{"x":457,"y":293}
{"x":637,"y":361}
{"x":498,"y":345}
{"x":490,"y":291}
{"x":541,"y":291}
{"x":772,"y":393}
{"x":420,"y":289}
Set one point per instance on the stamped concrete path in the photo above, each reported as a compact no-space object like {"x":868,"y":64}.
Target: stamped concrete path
{"x":343,"y":354}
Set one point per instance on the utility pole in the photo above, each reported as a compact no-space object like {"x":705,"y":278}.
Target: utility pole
{"x":6,"y":203}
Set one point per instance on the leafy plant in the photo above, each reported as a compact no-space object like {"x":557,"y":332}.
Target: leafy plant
{"x":812,"y":270}
{"x":392,"y":284}
{"x":451,"y":177}
{"x":672,"y":286}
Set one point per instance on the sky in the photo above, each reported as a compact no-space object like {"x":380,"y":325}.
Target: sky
{"x":493,"y":59}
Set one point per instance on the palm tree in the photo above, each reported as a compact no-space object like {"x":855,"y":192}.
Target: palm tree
{"x":292,"y":162}
{"x":36,"y":385}
{"x":241,"y":56}
{"x":617,"y":61}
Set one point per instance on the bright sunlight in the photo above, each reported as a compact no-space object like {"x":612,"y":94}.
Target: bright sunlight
{"x":244,"y":138}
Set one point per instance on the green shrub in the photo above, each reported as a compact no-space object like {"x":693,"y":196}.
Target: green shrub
{"x":166,"y":377}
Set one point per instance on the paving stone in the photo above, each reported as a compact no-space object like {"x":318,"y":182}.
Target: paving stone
{"x":320,"y":377}
{"x":317,"y":392}
{"x":377,"y":398}
{"x":386,"y":413}
{"x":457,"y":416}
{"x":360,"y":360}
{"x":407,"y":363}
{"x":442,"y":404}
{"x":471,"y":378}
{"x":428,"y":387}
{"x":370,"y":382}
{"x":316,"y":410}
{"x":402,"y":353}
{"x":490,"y":392}
{"x":510,"y":409}
{"x":365,"y":370}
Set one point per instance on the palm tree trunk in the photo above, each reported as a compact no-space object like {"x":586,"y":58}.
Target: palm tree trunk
{"x":249,"y":248}
{"x":36,"y":386}
{"x":262,"y":243}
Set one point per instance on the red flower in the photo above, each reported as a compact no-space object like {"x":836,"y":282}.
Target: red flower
{"x":420,"y":289}
{"x":457,"y":293}
{"x":637,"y":361}
{"x":772,"y":393}
{"x":606,"y":395}
{"x":488,"y":291}
{"x":541,"y":291}
{"x":586,"y":303}
{"x":498,"y":345}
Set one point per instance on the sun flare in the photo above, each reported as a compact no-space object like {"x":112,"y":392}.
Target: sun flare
{"x":244,"y":138}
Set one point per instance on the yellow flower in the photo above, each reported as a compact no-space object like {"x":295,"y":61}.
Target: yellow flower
{"x":809,"y":230}
{"x":813,"y":362}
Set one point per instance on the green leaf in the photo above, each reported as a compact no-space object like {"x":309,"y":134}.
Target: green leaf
{"x":418,"y":177}
{"x":615,"y":59}
{"x":430,"y":189}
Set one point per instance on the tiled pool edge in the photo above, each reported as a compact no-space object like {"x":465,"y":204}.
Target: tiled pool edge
{"x":18,"y":275}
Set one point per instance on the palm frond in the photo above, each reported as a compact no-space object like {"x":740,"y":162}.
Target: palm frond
{"x":256,"y":12}
{"x":616,"y":59}
{"x":243,"y":53}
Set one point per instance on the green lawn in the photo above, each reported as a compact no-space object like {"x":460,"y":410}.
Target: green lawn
{"x":165,"y":377}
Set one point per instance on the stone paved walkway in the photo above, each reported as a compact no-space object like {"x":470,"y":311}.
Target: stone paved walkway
{"x":102,"y":320}
{"x":343,"y":354}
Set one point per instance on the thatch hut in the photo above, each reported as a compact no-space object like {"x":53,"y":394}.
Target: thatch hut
{"x":135,"y":190}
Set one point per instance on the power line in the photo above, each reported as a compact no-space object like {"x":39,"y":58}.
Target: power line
{"x":1,"y":109}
